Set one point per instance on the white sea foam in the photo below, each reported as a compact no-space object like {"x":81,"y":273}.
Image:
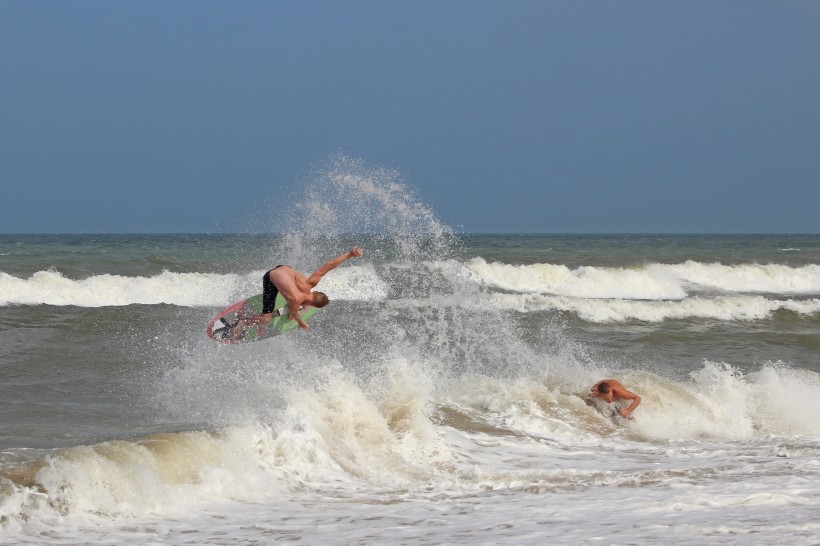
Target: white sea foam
{"x":649,"y":282}
{"x":601,"y":296}
{"x":723,"y":403}
{"x":769,"y":278}
{"x":384,"y":446}
{"x":652,"y":282}
{"x":183,"y":289}
{"x":617,"y":310}
{"x":52,"y":288}
{"x":719,"y":402}
{"x":327,"y":439}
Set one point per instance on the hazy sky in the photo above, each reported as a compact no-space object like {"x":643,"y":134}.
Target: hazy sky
{"x":505,"y":116}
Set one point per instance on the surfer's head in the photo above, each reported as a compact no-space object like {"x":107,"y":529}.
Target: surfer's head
{"x":319,"y":299}
{"x":604,"y":391}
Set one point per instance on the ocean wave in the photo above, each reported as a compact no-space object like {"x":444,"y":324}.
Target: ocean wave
{"x":400,"y":433}
{"x":652,"y":293}
{"x":648,"y":282}
{"x":717,"y":401}
{"x":183,"y":289}
{"x":742,"y":308}
{"x":324,"y":439}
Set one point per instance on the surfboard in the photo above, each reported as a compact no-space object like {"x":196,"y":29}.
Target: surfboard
{"x":612,"y":411}
{"x":221,"y":327}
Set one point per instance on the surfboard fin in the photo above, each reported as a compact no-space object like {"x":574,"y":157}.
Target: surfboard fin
{"x":284,"y":311}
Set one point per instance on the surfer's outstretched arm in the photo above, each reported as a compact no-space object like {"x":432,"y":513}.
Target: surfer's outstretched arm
{"x":317,"y":275}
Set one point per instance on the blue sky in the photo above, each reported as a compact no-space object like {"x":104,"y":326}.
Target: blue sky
{"x":507,"y":116}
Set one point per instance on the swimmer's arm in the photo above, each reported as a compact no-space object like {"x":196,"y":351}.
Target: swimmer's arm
{"x":627,"y":395}
{"x":293,"y":312}
{"x":317,"y":275}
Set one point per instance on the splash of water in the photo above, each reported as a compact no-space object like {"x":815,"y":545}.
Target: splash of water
{"x":346,"y":199}
{"x":429,"y":312}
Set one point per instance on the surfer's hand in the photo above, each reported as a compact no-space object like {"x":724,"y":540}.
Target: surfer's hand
{"x":304,"y":326}
{"x":357,"y":251}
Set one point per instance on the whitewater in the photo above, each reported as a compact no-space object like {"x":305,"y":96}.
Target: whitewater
{"x":439,"y":399}
{"x":651,"y":293}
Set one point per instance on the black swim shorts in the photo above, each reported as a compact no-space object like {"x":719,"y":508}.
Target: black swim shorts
{"x":269,"y":293}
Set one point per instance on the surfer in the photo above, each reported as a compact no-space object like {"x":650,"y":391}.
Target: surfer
{"x":610,"y":390}
{"x":295,"y":287}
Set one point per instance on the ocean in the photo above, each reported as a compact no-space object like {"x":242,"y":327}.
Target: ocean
{"x":437,"y":400}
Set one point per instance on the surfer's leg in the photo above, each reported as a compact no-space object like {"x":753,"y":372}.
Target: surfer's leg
{"x":242,"y":325}
{"x":269,"y":293}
